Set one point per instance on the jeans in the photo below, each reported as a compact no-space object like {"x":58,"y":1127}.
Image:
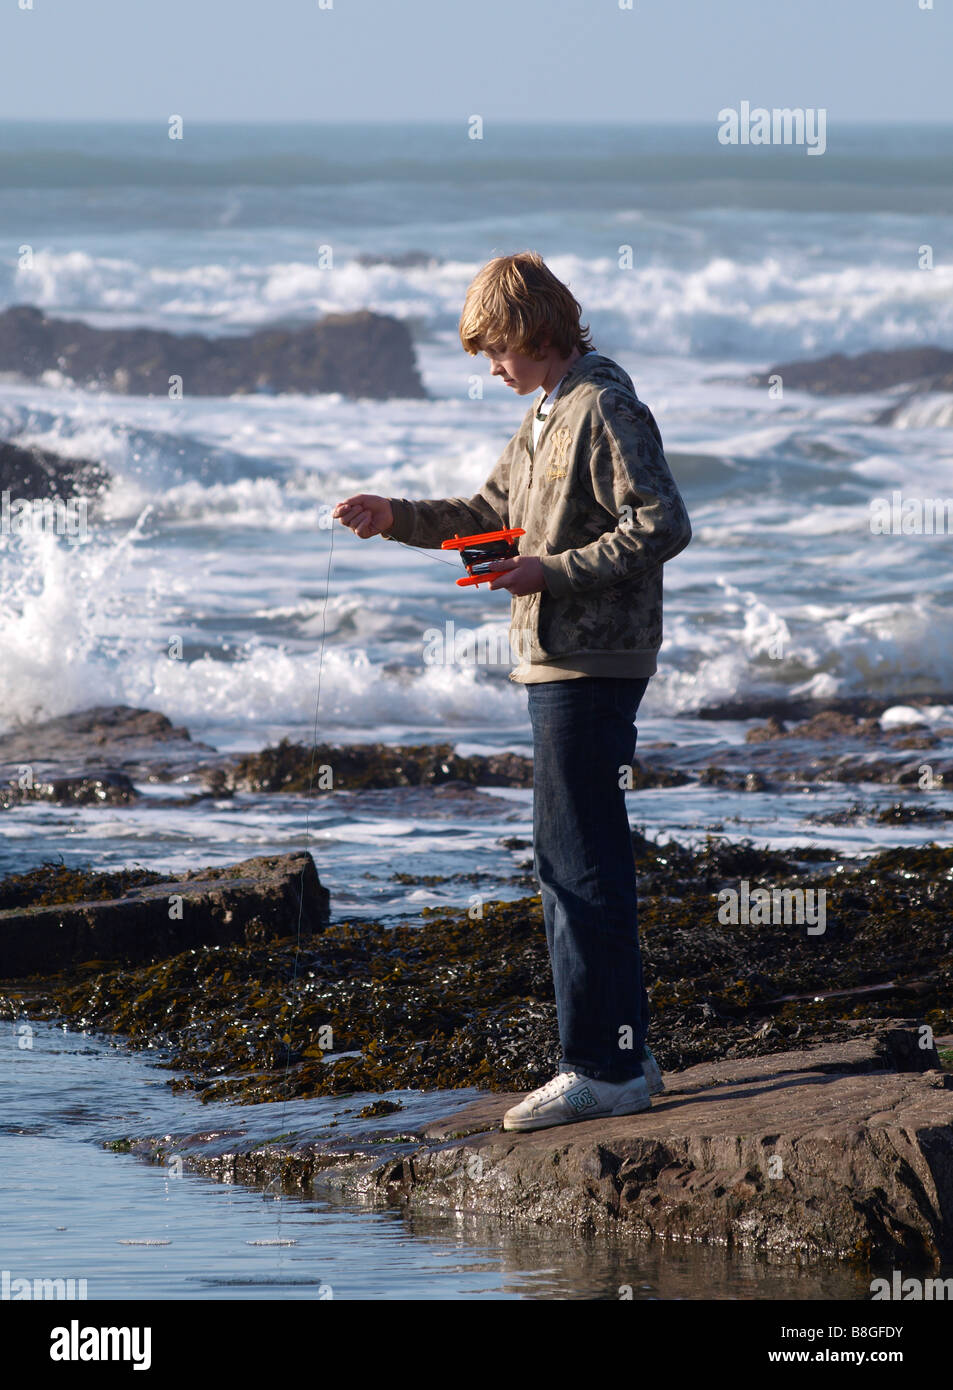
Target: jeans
{"x":583,"y":734}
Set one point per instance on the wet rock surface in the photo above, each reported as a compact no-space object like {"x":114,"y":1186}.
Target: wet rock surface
{"x":843,"y":1151}
{"x":785,"y":1156}
{"x":95,"y":789}
{"x":357,"y":354}
{"x":291,"y":767}
{"x":784,"y":707}
{"x":829,"y":745}
{"x":798,"y":743}
{"x":52,"y":923}
{"x":931,"y":368}
{"x":403,"y":259}
{"x":111,"y":744}
{"x":28,"y":471}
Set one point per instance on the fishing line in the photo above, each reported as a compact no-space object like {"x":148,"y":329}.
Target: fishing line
{"x":307,"y":843}
{"x":307,"y":840}
{"x":419,"y":550}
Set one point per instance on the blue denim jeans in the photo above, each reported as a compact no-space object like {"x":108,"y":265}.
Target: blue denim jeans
{"x":583,"y":734}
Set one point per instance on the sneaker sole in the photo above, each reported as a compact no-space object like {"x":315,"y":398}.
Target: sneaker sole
{"x":633,"y":1108}
{"x":524,"y":1126}
{"x":655,"y":1083}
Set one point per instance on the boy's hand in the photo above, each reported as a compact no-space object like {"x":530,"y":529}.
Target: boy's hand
{"x":365,"y":514}
{"x":524,"y":575}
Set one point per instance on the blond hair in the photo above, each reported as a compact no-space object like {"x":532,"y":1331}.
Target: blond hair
{"x":514,"y":302}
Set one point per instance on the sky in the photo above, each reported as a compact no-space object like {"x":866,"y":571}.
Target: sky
{"x":570,"y":60}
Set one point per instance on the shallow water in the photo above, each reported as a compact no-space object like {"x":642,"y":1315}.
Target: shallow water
{"x":72,"y":1210}
{"x":360,"y":841}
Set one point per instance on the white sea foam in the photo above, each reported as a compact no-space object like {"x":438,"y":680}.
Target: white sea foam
{"x":779,"y":305}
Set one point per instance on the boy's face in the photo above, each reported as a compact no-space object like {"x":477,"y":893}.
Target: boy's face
{"x":520,"y":373}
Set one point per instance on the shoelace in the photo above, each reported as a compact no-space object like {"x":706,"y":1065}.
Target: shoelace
{"x":552,"y":1088}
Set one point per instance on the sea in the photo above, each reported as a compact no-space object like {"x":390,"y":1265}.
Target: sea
{"x":696,"y":265}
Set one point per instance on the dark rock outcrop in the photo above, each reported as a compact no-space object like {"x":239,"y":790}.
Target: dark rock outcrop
{"x":402,"y":260}
{"x":931,"y":368}
{"x":106,"y":743}
{"x":26,"y":471}
{"x":784,"y":707}
{"x":358,"y":354}
{"x":289,"y":766}
{"x":255,"y":901}
{"x":841,"y":743}
{"x":106,"y":788}
{"x":837,"y":741}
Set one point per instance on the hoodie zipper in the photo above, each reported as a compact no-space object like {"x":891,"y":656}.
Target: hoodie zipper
{"x":527,"y":444}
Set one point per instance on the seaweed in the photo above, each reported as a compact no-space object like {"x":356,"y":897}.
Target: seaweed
{"x":446,"y":1000}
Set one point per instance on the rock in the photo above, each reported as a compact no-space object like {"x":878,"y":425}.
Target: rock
{"x":103,"y":789}
{"x":374,"y":766}
{"x":110,"y":743}
{"x":255,"y":900}
{"x":358,"y":354}
{"x":826,"y":724}
{"x":809,"y":1155}
{"x":837,"y":375}
{"x":448,"y":1001}
{"x":843,"y":1151}
{"x":646,"y":775}
{"x":288,"y":767}
{"x":830,"y":745}
{"x":775,"y":728}
{"x":379,"y":1107}
{"x":26,"y":471}
{"x":784,"y":708}
{"x":403,"y":260}
{"x":901,"y":813}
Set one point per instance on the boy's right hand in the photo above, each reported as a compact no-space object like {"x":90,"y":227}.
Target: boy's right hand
{"x":365,"y":514}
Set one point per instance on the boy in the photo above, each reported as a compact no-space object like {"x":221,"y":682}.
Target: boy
{"x":586,"y":477}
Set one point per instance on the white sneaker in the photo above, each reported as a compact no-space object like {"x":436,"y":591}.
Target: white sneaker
{"x":570,"y":1096}
{"x":652,"y":1072}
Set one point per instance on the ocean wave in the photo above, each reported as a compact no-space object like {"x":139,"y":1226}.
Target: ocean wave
{"x":721,"y":307}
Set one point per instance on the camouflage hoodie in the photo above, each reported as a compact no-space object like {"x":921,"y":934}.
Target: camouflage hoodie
{"x":602,"y":513}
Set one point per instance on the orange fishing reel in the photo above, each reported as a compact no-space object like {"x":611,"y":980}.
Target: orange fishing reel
{"x":481,"y":553}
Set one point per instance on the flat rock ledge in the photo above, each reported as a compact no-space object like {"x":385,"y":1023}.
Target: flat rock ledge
{"x":256,"y":900}
{"x":828,"y":1153}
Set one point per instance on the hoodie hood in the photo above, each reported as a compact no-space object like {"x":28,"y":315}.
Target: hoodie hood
{"x":590,"y":370}
{"x":594,"y":368}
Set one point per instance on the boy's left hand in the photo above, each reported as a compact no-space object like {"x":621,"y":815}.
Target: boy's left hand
{"x":524,"y":575}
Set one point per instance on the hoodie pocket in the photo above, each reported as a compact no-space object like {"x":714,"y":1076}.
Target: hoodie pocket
{"x":524,"y":628}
